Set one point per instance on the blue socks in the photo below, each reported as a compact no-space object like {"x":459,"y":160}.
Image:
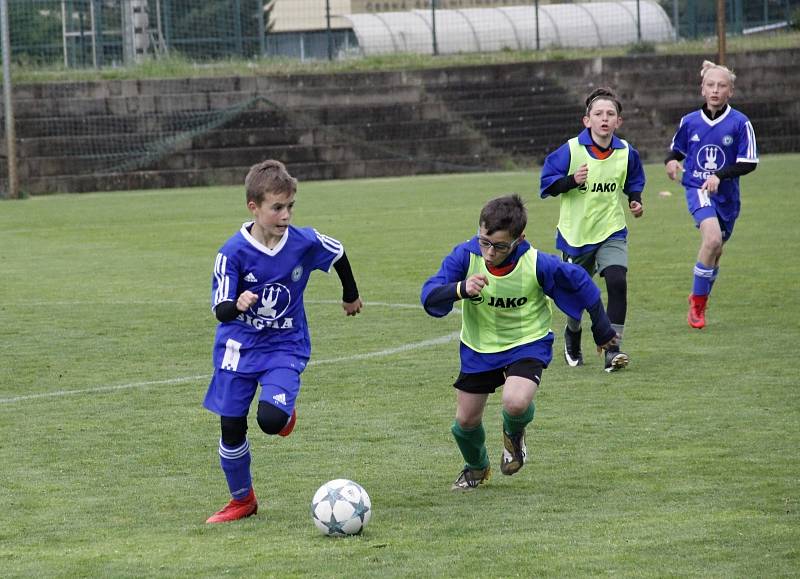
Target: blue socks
{"x":235,"y":463}
{"x":703,"y":279}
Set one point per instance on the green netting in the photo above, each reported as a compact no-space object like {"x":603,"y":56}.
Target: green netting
{"x":101,"y":33}
{"x":109,"y":33}
{"x":116,"y":144}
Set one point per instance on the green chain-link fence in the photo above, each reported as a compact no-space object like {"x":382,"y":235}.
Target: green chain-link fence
{"x":104,"y":33}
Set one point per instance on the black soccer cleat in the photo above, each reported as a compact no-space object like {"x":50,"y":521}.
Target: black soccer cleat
{"x":572,"y":348}
{"x":469,"y":478}
{"x":514,"y":452}
{"x":615,"y":360}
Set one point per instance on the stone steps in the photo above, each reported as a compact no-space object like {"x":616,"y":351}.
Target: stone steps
{"x":176,"y":104}
{"x":70,"y":146}
{"x":73,"y":136}
{"x":191,"y":159}
{"x":234,"y":175}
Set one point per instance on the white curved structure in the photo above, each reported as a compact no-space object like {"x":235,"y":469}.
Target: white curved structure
{"x":584,"y":24}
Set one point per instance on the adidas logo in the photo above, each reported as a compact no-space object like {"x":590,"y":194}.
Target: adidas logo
{"x":695,"y":138}
{"x":250,"y":277}
{"x":280,"y":398}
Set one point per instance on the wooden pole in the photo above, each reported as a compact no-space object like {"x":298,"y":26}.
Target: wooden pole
{"x":721,"y":32}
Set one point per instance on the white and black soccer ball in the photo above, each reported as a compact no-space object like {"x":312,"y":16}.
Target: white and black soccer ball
{"x":341,"y":507}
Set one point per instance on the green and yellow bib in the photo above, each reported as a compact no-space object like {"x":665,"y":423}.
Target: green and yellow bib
{"x":510,"y":311}
{"x":592,"y":212}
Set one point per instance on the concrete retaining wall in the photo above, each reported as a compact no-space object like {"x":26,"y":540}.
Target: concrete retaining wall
{"x":86,"y":136}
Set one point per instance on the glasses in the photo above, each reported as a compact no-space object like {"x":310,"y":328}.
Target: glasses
{"x":501,"y":246}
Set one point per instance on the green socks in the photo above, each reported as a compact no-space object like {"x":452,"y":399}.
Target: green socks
{"x":471,"y":443}
{"x":514,"y":424}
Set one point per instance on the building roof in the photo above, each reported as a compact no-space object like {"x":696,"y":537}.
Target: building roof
{"x":579,"y":25}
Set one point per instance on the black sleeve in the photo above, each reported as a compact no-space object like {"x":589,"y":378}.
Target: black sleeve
{"x":226,"y":311}
{"x":634,"y":196}
{"x":561,"y":186}
{"x":601,"y":326}
{"x":349,"y":287}
{"x":736,"y":170}
{"x":674,"y":156}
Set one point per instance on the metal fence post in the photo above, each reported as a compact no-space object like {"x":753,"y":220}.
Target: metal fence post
{"x":167,"y":25}
{"x":81,"y":39}
{"x":93,"y":24}
{"x":98,"y":33}
{"x":237,"y":24}
{"x":738,"y":16}
{"x":538,"y":44}
{"x":638,"y":22}
{"x":8,"y":105}
{"x":433,"y":27}
{"x":676,"y":20}
{"x":262,"y":30}
{"x":329,"y":34}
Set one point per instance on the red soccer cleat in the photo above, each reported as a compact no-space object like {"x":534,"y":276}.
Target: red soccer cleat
{"x":697,"y":311}
{"x":287,"y":430}
{"x":236,"y":509}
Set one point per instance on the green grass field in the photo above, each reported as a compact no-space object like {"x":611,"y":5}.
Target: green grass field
{"x":176,"y":66}
{"x":685,"y":464}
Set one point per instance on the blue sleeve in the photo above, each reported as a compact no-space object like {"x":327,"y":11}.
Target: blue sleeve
{"x":556,"y":166}
{"x":747,"y":150}
{"x":679,"y":140}
{"x":634,"y":182}
{"x":225,"y":280}
{"x":567,"y":284}
{"x":453,"y":269}
{"x":325,"y":250}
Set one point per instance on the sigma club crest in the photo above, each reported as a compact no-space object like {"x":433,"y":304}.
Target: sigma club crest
{"x":274,"y":299}
{"x":711,"y":158}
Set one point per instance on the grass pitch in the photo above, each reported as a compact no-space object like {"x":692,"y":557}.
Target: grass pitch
{"x":684,"y":464}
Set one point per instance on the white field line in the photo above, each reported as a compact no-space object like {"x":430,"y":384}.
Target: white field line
{"x":162,"y":302}
{"x":59,"y":393}
{"x":390,"y":351}
{"x":378,"y":354}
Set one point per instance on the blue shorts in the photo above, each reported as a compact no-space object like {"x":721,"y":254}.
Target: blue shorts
{"x":231,"y":393}
{"x":710,"y":213}
{"x":701,"y":206}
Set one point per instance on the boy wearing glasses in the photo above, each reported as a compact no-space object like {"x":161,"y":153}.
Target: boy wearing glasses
{"x":588,"y":173}
{"x":503,"y":284}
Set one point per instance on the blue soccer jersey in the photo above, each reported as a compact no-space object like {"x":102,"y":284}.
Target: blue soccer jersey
{"x":276,"y":323}
{"x":709,"y":145}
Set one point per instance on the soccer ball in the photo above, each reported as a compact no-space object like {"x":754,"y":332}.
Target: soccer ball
{"x":341,"y":507}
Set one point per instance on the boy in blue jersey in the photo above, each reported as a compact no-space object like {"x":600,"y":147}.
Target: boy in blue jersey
{"x":717,"y":145}
{"x":259,"y":278}
{"x":504,"y":284}
{"x":588,"y":173}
